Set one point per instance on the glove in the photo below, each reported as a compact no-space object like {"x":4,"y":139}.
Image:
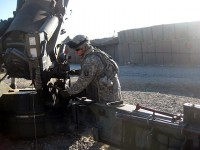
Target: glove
{"x":64,"y":94}
{"x":74,"y":72}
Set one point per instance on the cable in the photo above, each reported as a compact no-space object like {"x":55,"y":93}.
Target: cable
{"x":34,"y":119}
{"x":3,"y":77}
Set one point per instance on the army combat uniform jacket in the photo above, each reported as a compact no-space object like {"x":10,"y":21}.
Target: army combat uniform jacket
{"x":97,"y":70}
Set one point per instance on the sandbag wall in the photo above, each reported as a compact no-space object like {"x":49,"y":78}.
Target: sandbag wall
{"x":163,"y":44}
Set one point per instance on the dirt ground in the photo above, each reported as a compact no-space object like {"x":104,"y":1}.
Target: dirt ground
{"x":164,"y":88}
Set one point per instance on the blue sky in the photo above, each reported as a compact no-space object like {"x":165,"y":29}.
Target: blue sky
{"x":6,"y":8}
{"x":104,"y":18}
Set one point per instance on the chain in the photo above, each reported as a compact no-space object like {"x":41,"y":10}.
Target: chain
{"x":34,"y":119}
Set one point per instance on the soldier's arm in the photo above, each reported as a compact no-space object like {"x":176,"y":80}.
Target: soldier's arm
{"x":90,"y":69}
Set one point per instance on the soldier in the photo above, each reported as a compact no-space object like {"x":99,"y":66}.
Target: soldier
{"x":98,"y":68}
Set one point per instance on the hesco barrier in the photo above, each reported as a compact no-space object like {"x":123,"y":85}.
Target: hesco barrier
{"x":161,"y":44}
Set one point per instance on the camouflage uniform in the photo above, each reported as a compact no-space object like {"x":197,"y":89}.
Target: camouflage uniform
{"x":93,"y":70}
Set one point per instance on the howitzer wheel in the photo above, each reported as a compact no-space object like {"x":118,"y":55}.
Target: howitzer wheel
{"x":22,"y":117}
{"x":29,"y":126}
{"x":21,"y":102}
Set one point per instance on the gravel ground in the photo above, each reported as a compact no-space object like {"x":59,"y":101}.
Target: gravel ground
{"x":164,"y":88}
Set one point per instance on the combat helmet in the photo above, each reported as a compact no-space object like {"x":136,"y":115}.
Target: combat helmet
{"x":77,"y":41}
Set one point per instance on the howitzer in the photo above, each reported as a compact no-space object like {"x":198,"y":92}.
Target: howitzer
{"x":32,"y":44}
{"x":32,"y":47}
